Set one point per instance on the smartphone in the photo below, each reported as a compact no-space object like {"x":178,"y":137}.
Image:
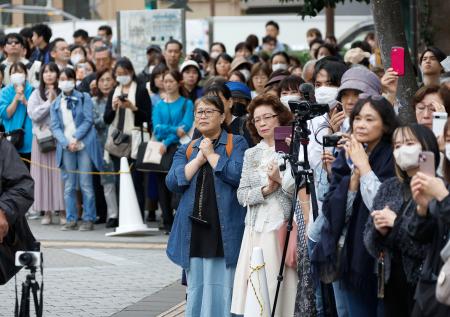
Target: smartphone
{"x":398,"y":60}
{"x":123,"y":97}
{"x":281,"y":133}
{"x":439,"y":120}
{"x":339,"y":107}
{"x":331,"y":140}
{"x":426,"y":163}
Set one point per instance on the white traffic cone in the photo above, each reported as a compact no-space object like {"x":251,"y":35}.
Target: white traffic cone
{"x":257,"y":301}
{"x":130,"y":219}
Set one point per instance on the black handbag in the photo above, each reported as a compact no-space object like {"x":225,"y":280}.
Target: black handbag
{"x":16,"y":137}
{"x":119,"y":143}
{"x":19,"y":238}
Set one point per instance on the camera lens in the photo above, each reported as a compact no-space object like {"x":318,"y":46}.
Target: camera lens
{"x":26,"y":259}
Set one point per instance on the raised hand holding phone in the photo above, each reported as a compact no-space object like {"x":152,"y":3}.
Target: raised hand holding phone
{"x":398,"y":60}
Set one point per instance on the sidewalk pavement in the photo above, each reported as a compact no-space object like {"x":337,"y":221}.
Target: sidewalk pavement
{"x":87,"y":274}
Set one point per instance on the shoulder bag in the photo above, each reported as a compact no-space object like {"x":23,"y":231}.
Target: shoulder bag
{"x":149,"y":154}
{"x":16,"y":137}
{"x":45,"y":139}
{"x":119,"y":143}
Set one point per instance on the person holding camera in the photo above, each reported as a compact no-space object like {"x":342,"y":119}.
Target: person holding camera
{"x":13,"y":110}
{"x":431,"y":226}
{"x":128,"y":106}
{"x":77,"y":148}
{"x":267,"y":194}
{"x":386,"y":236}
{"x":209,"y":222}
{"x":48,"y":196}
{"x":364,"y":163}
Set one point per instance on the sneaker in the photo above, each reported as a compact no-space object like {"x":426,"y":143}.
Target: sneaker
{"x":47,"y":219}
{"x":31,"y":214}
{"x":70,"y":225}
{"x":62,"y":217}
{"x":87,"y":226}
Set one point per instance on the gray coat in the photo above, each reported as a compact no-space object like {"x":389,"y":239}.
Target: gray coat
{"x":398,"y":241}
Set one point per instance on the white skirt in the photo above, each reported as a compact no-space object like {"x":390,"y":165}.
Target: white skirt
{"x":272,"y":252}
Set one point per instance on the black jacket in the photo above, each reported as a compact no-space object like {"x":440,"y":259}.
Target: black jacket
{"x":434,"y":229}
{"x":397,"y":242}
{"x":16,"y":185}
{"x":143,"y":103}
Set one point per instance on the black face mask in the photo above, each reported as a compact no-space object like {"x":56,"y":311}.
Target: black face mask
{"x":239,"y":109}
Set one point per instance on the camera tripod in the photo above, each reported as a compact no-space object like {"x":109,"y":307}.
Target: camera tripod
{"x":30,"y":285}
{"x":303,"y":175}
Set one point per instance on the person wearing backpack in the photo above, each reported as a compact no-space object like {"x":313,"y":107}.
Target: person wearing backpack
{"x":209,"y":222}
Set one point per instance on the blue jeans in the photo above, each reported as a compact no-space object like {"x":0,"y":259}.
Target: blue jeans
{"x":317,"y":284}
{"x":340,"y":299}
{"x":82,"y":162}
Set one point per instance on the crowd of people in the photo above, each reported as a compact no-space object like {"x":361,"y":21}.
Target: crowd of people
{"x":72,"y":109}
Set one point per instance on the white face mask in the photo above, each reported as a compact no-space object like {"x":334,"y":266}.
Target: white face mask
{"x":246,"y":74}
{"x":123,"y":80}
{"x":66,"y":85}
{"x":276,"y":67}
{"x":76,"y":58}
{"x":325,"y":94}
{"x":285,"y":100}
{"x":407,"y":156}
{"x":214,"y":54}
{"x":447,"y":151}
{"x":17,"y":79}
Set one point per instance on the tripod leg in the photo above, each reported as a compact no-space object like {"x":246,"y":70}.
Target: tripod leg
{"x":35,"y":289}
{"x":25,"y":300}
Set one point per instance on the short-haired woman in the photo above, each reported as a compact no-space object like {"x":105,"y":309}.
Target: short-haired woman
{"x":209,"y":222}
{"x":266,"y":192}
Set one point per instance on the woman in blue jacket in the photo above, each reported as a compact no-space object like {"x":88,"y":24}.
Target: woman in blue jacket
{"x":172,"y":119}
{"x":13,"y":107}
{"x":209,"y":222}
{"x":77,"y":148}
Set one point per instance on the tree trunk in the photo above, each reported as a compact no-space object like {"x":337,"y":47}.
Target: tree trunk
{"x":390,"y":32}
{"x":440,"y":24}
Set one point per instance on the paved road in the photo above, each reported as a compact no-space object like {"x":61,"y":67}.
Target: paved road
{"x":86,"y":280}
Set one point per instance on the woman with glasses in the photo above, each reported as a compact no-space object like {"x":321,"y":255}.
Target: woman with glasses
{"x":360,"y":168}
{"x":266,"y":192}
{"x":426,"y":101}
{"x":209,"y":222}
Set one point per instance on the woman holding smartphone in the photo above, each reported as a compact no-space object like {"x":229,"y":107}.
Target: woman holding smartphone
{"x":431,"y":226}
{"x":360,"y":168}
{"x":267,"y":194}
{"x":386,"y":236}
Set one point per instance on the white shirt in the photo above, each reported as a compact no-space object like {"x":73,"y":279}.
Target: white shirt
{"x":69,"y":123}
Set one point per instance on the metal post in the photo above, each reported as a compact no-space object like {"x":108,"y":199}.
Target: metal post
{"x":212,"y":7}
{"x":414,"y":35}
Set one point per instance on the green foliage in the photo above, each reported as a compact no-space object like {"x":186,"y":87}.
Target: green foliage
{"x":303,"y":55}
{"x":313,"y":7}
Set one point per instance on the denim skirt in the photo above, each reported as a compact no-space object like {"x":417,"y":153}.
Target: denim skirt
{"x":210,"y":287}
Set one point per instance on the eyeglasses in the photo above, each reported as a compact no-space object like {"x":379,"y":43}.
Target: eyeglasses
{"x":420,"y":107}
{"x":265,"y":118}
{"x":13,"y":42}
{"x":208,"y":113}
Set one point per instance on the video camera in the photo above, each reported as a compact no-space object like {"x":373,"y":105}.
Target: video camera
{"x":28,"y":258}
{"x":307,"y":108}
